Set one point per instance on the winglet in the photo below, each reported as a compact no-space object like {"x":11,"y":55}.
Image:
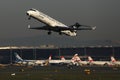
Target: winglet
{"x":50,"y":57}
{"x":113,"y":59}
{"x":90,"y":59}
{"x":93,"y":28}
{"x":28,"y":26}
{"x":62,"y":57}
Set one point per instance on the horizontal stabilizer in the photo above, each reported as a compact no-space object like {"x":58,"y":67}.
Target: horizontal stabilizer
{"x":28,"y":26}
{"x":87,"y":28}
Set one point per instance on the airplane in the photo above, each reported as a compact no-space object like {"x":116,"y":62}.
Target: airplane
{"x":63,"y":61}
{"x":78,"y":61}
{"x":51,"y":61}
{"x":99,"y":63}
{"x":114,"y":62}
{"x":21,"y":61}
{"x":54,"y":25}
{"x":67,"y":61}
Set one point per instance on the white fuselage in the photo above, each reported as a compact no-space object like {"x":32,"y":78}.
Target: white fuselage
{"x":19,"y":60}
{"x":32,"y":62}
{"x":116,"y":63}
{"x":55,"y":61}
{"x":49,"y":21}
{"x":59,"y":61}
{"x":102,"y":63}
{"x":83,"y":62}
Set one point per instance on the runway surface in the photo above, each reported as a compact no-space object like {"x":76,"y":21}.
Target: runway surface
{"x":59,"y":73}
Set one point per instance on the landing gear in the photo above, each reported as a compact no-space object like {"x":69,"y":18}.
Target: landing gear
{"x":49,"y":33}
{"x":60,"y":33}
{"x":29,"y":18}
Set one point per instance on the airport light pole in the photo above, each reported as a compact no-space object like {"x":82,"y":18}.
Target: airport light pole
{"x":10,"y":55}
{"x":59,"y":52}
{"x":113,"y":51}
{"x":85,"y":54}
{"x":34,"y":52}
{"x":85,"y":50}
{"x":21,"y":52}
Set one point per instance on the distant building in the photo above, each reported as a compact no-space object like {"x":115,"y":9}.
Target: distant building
{"x":43,"y":52}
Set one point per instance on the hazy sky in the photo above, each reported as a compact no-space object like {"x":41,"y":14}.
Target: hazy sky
{"x":105,"y":14}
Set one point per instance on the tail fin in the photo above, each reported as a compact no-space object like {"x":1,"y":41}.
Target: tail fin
{"x":18,"y":58}
{"x":50,"y":57}
{"x":75,"y":58}
{"x":90,"y":59}
{"x":62,"y":58}
{"x":113,"y":59}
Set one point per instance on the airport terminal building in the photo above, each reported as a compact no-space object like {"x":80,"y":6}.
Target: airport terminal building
{"x":37,"y":53}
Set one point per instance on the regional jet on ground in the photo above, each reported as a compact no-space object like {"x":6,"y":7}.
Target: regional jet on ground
{"x":19,"y":60}
{"x":114,"y":62}
{"x":100,"y":63}
{"x":62,"y":61}
{"x":54,"y":25}
{"x":72,"y":61}
{"x":51,"y":61}
{"x":78,"y":61}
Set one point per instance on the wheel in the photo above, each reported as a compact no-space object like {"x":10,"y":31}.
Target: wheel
{"x":106,"y":64}
{"x":60,"y":33}
{"x":29,"y":18}
{"x":49,"y":32}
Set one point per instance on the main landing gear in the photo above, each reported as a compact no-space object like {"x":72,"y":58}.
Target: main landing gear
{"x":49,"y":33}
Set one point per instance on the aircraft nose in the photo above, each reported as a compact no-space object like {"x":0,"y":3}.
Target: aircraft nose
{"x":27,"y":13}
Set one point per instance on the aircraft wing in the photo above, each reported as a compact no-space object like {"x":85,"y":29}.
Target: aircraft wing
{"x":60,"y":28}
{"x":72,"y":28}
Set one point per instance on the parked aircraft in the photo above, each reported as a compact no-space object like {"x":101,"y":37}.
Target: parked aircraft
{"x":100,"y":63}
{"x":51,"y":61}
{"x":78,"y":61}
{"x":21,"y":61}
{"x":54,"y":25}
{"x":72,"y":61}
{"x":114,"y":62}
{"x":67,"y":61}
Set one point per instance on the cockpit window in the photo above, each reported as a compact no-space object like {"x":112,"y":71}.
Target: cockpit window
{"x":33,"y":9}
